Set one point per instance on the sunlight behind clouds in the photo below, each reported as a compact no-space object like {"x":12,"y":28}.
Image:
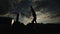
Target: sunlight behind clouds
{"x":43,"y":18}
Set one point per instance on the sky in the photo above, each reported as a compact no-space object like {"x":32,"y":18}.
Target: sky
{"x":47,"y":11}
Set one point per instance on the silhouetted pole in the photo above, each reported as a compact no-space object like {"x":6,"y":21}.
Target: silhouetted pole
{"x":34,"y":15}
{"x":17,"y":18}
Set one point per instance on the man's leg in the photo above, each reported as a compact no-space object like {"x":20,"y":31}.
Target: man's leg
{"x":35,"y":21}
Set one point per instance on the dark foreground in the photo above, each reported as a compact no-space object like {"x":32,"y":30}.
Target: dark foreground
{"x":31,"y":28}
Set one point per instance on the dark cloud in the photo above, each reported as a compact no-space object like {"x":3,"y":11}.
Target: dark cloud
{"x":4,"y":6}
{"x":49,"y":6}
{"x":41,"y":4}
{"x":52,"y":7}
{"x":22,"y":7}
{"x":15,"y":6}
{"x":54,"y":16}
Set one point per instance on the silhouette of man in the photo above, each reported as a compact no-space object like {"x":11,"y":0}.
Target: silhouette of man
{"x":34,"y":15}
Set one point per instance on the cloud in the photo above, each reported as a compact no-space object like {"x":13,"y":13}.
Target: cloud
{"x":4,"y":7}
{"x":48,"y":6}
{"x":22,"y":6}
